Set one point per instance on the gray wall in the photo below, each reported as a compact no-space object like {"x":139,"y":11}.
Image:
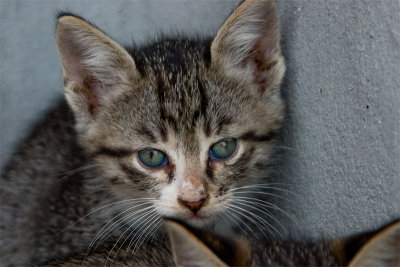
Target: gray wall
{"x":341,"y":141}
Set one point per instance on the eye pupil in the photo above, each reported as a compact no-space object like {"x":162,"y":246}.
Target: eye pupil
{"x":223,"y":149}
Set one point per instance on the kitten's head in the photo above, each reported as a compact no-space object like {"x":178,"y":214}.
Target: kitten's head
{"x":180,"y":121}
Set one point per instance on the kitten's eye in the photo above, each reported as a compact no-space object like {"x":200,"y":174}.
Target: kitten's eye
{"x":152,"y":158}
{"x":223,"y":149}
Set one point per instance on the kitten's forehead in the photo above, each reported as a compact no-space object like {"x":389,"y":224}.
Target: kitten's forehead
{"x":181,"y":101}
{"x":174,"y":95}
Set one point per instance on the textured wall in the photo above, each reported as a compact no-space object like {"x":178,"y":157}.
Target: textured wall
{"x":341,"y":139}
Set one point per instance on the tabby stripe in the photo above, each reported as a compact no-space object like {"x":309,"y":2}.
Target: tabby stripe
{"x":251,"y":136}
{"x":209,"y":169}
{"x":203,"y":107}
{"x":131,"y":172}
{"x":165,"y":118}
{"x":222,"y":123}
{"x":203,"y":96}
{"x":242,"y":162}
{"x":114,"y":152}
{"x":143,"y":130}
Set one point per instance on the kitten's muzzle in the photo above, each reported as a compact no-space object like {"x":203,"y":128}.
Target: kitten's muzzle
{"x":194,"y":206}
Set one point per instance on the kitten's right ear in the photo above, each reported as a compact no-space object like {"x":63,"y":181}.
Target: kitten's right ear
{"x":247,"y":46}
{"x":95,"y":68}
{"x":383,"y":249}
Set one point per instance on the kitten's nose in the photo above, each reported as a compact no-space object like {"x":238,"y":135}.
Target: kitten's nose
{"x":194,"y":206}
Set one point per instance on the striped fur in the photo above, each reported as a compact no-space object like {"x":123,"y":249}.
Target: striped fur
{"x":175,"y":95}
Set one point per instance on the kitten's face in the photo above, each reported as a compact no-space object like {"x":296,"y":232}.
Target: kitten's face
{"x":186,"y":116}
{"x":173,"y":123}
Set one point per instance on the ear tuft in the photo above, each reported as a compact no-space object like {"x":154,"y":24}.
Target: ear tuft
{"x":248,"y":44}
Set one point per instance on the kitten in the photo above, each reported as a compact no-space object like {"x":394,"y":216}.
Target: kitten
{"x":196,"y":248}
{"x":177,"y":128}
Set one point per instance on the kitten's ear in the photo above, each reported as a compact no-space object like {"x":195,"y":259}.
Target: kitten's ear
{"x":199,"y":248}
{"x":95,"y":68}
{"x":383,"y":249}
{"x":247,"y":45}
{"x":188,"y":250}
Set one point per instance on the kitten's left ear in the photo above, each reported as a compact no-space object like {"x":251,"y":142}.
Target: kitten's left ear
{"x":247,"y":45}
{"x":96,"y":69}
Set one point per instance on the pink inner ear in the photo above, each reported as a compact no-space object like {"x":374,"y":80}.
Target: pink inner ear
{"x":73,"y":69}
{"x":89,"y":91}
{"x":262,"y":57}
{"x":87,"y":85}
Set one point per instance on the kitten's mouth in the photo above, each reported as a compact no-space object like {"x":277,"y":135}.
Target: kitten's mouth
{"x":199,"y":220}
{"x":195,"y":216}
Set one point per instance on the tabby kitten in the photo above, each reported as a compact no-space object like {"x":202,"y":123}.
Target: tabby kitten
{"x":175,"y":129}
{"x":196,"y":248}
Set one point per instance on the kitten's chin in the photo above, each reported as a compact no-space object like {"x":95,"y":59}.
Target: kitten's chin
{"x":198,"y":221}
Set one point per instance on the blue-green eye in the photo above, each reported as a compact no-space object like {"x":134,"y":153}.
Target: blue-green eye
{"x":223,"y":149}
{"x":152,"y":158}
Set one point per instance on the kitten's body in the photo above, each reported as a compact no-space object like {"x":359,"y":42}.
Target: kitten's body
{"x":34,"y":220}
{"x":184,"y":248}
{"x":178,"y":98}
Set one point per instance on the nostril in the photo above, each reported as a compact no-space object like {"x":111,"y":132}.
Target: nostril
{"x":194,"y":206}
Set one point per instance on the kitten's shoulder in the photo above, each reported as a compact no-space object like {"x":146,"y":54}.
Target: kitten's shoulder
{"x":52,"y":139}
{"x":37,"y":183}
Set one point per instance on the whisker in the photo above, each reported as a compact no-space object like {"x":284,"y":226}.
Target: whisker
{"x":142,"y":232}
{"x":284,"y":147}
{"x":270,"y":205}
{"x":126,"y":201}
{"x":126,"y":217}
{"x":108,"y":256}
{"x":233,"y":210}
{"x":69,"y":173}
{"x":264,"y":193}
{"x":104,"y":229}
{"x":229,"y":215}
{"x":264,"y":186}
{"x":263,"y":206}
{"x":266,"y":224}
{"x":243,"y":202}
{"x":146,"y":220}
{"x":155,"y":226}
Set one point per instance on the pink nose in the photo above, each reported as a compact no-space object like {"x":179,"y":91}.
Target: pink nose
{"x":194,"y":206}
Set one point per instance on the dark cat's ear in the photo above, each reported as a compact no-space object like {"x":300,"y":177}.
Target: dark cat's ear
{"x":188,"y":250}
{"x":199,"y":248}
{"x":247,"y":45}
{"x":95,"y":68}
{"x":383,"y":249}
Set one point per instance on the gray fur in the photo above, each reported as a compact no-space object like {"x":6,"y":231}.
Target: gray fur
{"x":378,"y":248}
{"x":175,"y":95}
